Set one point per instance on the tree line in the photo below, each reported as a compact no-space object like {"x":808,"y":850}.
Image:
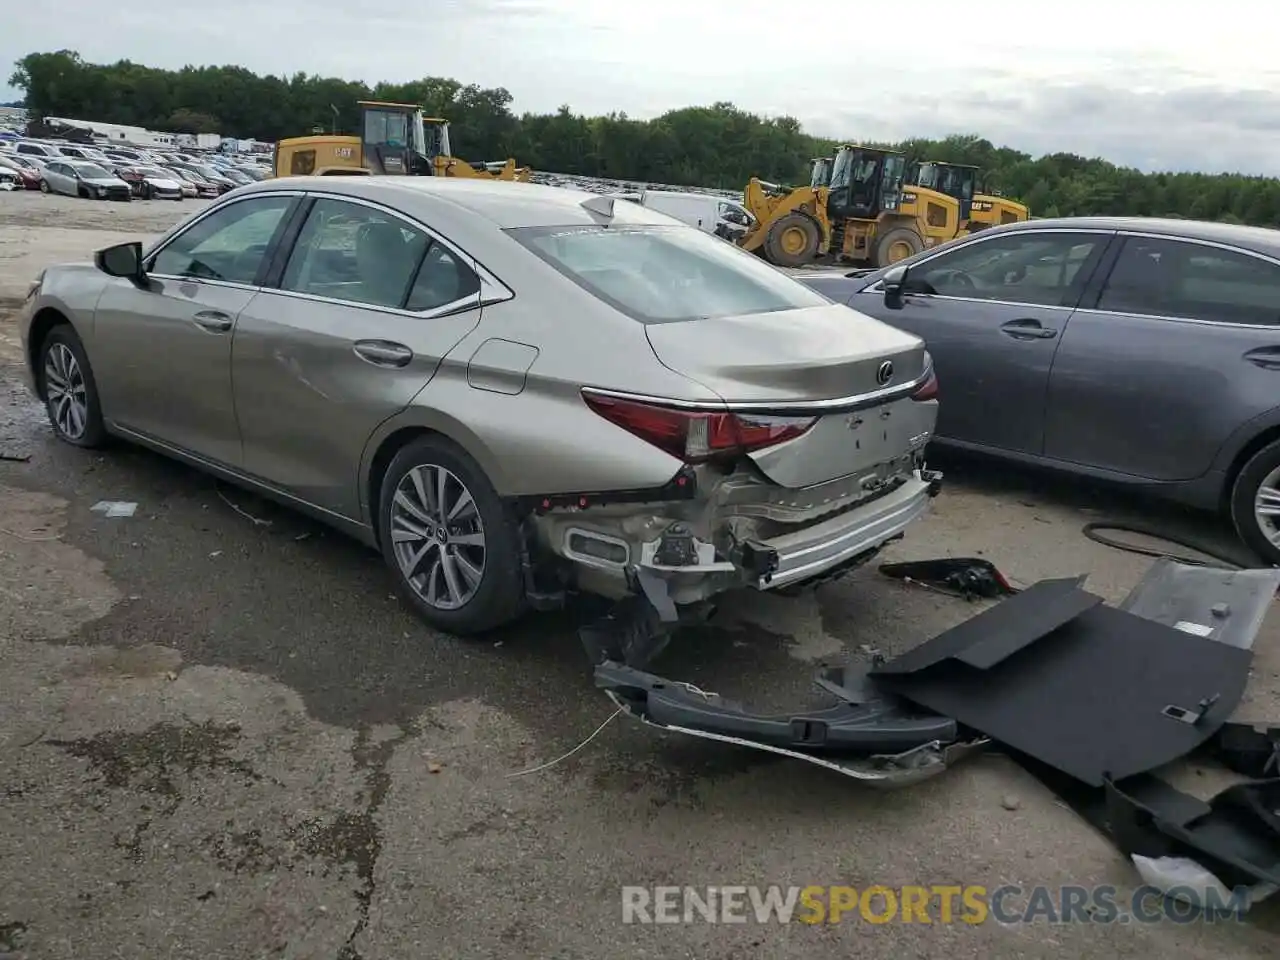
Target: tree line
{"x":709,"y":146}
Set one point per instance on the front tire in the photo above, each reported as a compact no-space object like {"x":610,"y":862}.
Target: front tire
{"x":452,"y":548}
{"x":44,"y":186}
{"x":792,"y":241}
{"x":1255,"y":503}
{"x":71,"y":393}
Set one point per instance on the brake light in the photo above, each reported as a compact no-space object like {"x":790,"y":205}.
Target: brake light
{"x":697,"y":435}
{"x":927,"y":390}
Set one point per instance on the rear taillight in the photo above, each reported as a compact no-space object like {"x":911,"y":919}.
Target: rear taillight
{"x":929,"y":389}
{"x":697,"y":435}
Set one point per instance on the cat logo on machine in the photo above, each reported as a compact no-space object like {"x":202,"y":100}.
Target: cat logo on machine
{"x":344,"y":153}
{"x":885,"y":373}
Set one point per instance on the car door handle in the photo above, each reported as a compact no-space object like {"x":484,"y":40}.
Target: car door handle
{"x":1268,"y":358}
{"x":1027,"y":330}
{"x":383,"y":353}
{"x":214,"y":320}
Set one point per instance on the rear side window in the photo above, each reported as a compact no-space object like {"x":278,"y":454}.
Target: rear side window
{"x":659,"y":274}
{"x":360,"y":254}
{"x":1175,"y":278}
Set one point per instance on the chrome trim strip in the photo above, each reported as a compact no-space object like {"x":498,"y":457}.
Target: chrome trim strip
{"x":456,"y":306}
{"x":857,"y":401}
{"x":1275,"y":261}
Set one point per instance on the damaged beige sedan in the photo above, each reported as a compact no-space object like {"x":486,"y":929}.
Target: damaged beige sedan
{"x":514,"y":392}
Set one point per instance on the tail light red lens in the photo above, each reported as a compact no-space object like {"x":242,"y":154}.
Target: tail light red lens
{"x":929,"y":389}
{"x":697,"y":435}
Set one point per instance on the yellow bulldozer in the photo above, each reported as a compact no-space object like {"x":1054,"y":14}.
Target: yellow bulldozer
{"x":395,"y":140}
{"x":855,"y":208}
{"x":978,"y":209}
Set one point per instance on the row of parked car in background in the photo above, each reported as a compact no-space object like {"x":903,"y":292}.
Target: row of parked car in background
{"x":122,"y":173}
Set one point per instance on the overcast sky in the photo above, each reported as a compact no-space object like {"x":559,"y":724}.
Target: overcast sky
{"x":1156,"y":85}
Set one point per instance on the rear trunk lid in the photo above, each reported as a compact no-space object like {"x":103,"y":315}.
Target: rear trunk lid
{"x":850,"y":372}
{"x":814,"y":354}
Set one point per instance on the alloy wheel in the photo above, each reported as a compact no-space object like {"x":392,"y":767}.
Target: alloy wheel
{"x":67,"y":394}
{"x":437,"y":536}
{"x":1266,"y":507}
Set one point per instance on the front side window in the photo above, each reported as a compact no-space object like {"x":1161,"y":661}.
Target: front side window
{"x":347,"y":251}
{"x":1173,"y":278}
{"x":660,"y":274}
{"x":229,"y":244}
{"x":1033,"y":268}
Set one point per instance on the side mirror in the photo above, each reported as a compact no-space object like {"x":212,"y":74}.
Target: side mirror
{"x":122,"y":260}
{"x":895,"y":283}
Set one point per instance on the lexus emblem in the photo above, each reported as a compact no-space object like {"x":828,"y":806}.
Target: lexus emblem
{"x":885,"y":373}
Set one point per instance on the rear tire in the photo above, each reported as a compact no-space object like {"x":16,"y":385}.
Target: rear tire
{"x":897,"y":244}
{"x":1249,"y":502}
{"x":71,"y":393}
{"x":792,"y":241}
{"x":469,"y":579}
{"x":44,"y":186}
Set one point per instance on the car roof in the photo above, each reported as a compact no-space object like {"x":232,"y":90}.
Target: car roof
{"x":505,"y":204}
{"x":1259,"y":239}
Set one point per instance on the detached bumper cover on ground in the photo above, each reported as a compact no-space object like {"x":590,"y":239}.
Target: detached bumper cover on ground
{"x":1091,"y":697}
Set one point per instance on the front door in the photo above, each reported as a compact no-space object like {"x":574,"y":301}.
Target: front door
{"x":367,"y":307}
{"x":164,"y":349}
{"x":991,"y":313}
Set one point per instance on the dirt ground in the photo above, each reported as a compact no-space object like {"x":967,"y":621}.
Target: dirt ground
{"x":222,"y":738}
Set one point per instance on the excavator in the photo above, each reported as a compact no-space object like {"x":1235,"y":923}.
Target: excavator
{"x":395,"y":140}
{"x":978,"y":210}
{"x":855,"y":209}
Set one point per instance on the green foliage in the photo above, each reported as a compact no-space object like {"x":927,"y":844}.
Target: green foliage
{"x":714,"y":146}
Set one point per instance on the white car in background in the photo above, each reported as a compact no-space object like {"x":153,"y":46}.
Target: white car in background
{"x":160,"y":184}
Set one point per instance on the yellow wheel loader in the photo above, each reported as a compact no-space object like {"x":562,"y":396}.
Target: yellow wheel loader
{"x":978,"y":209}
{"x":395,"y":140}
{"x":855,"y":210}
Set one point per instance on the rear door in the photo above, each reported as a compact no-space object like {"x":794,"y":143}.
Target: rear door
{"x":1176,"y":349}
{"x":991,"y":313}
{"x":362,"y":312}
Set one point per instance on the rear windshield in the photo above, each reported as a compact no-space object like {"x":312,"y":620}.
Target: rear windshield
{"x":660,"y":274}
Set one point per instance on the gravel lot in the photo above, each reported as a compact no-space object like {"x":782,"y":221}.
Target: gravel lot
{"x":225,"y":739}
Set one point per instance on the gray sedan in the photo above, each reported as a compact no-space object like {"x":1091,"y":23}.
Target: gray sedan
{"x":1141,"y":351}
{"x":81,"y":178}
{"x":513,"y":391}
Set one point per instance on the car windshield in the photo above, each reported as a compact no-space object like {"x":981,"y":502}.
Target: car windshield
{"x":155,"y":172}
{"x":658,"y":274}
{"x":207,"y":171}
{"x":91,"y":171}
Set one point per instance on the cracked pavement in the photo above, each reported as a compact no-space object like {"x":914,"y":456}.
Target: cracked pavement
{"x":225,"y":739}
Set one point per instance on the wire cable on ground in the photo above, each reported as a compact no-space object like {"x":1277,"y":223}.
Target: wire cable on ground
{"x":1092,"y":532}
{"x":565,"y":756}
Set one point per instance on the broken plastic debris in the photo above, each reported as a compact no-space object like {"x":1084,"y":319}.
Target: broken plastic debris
{"x":1182,"y":879}
{"x":115,"y":508}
